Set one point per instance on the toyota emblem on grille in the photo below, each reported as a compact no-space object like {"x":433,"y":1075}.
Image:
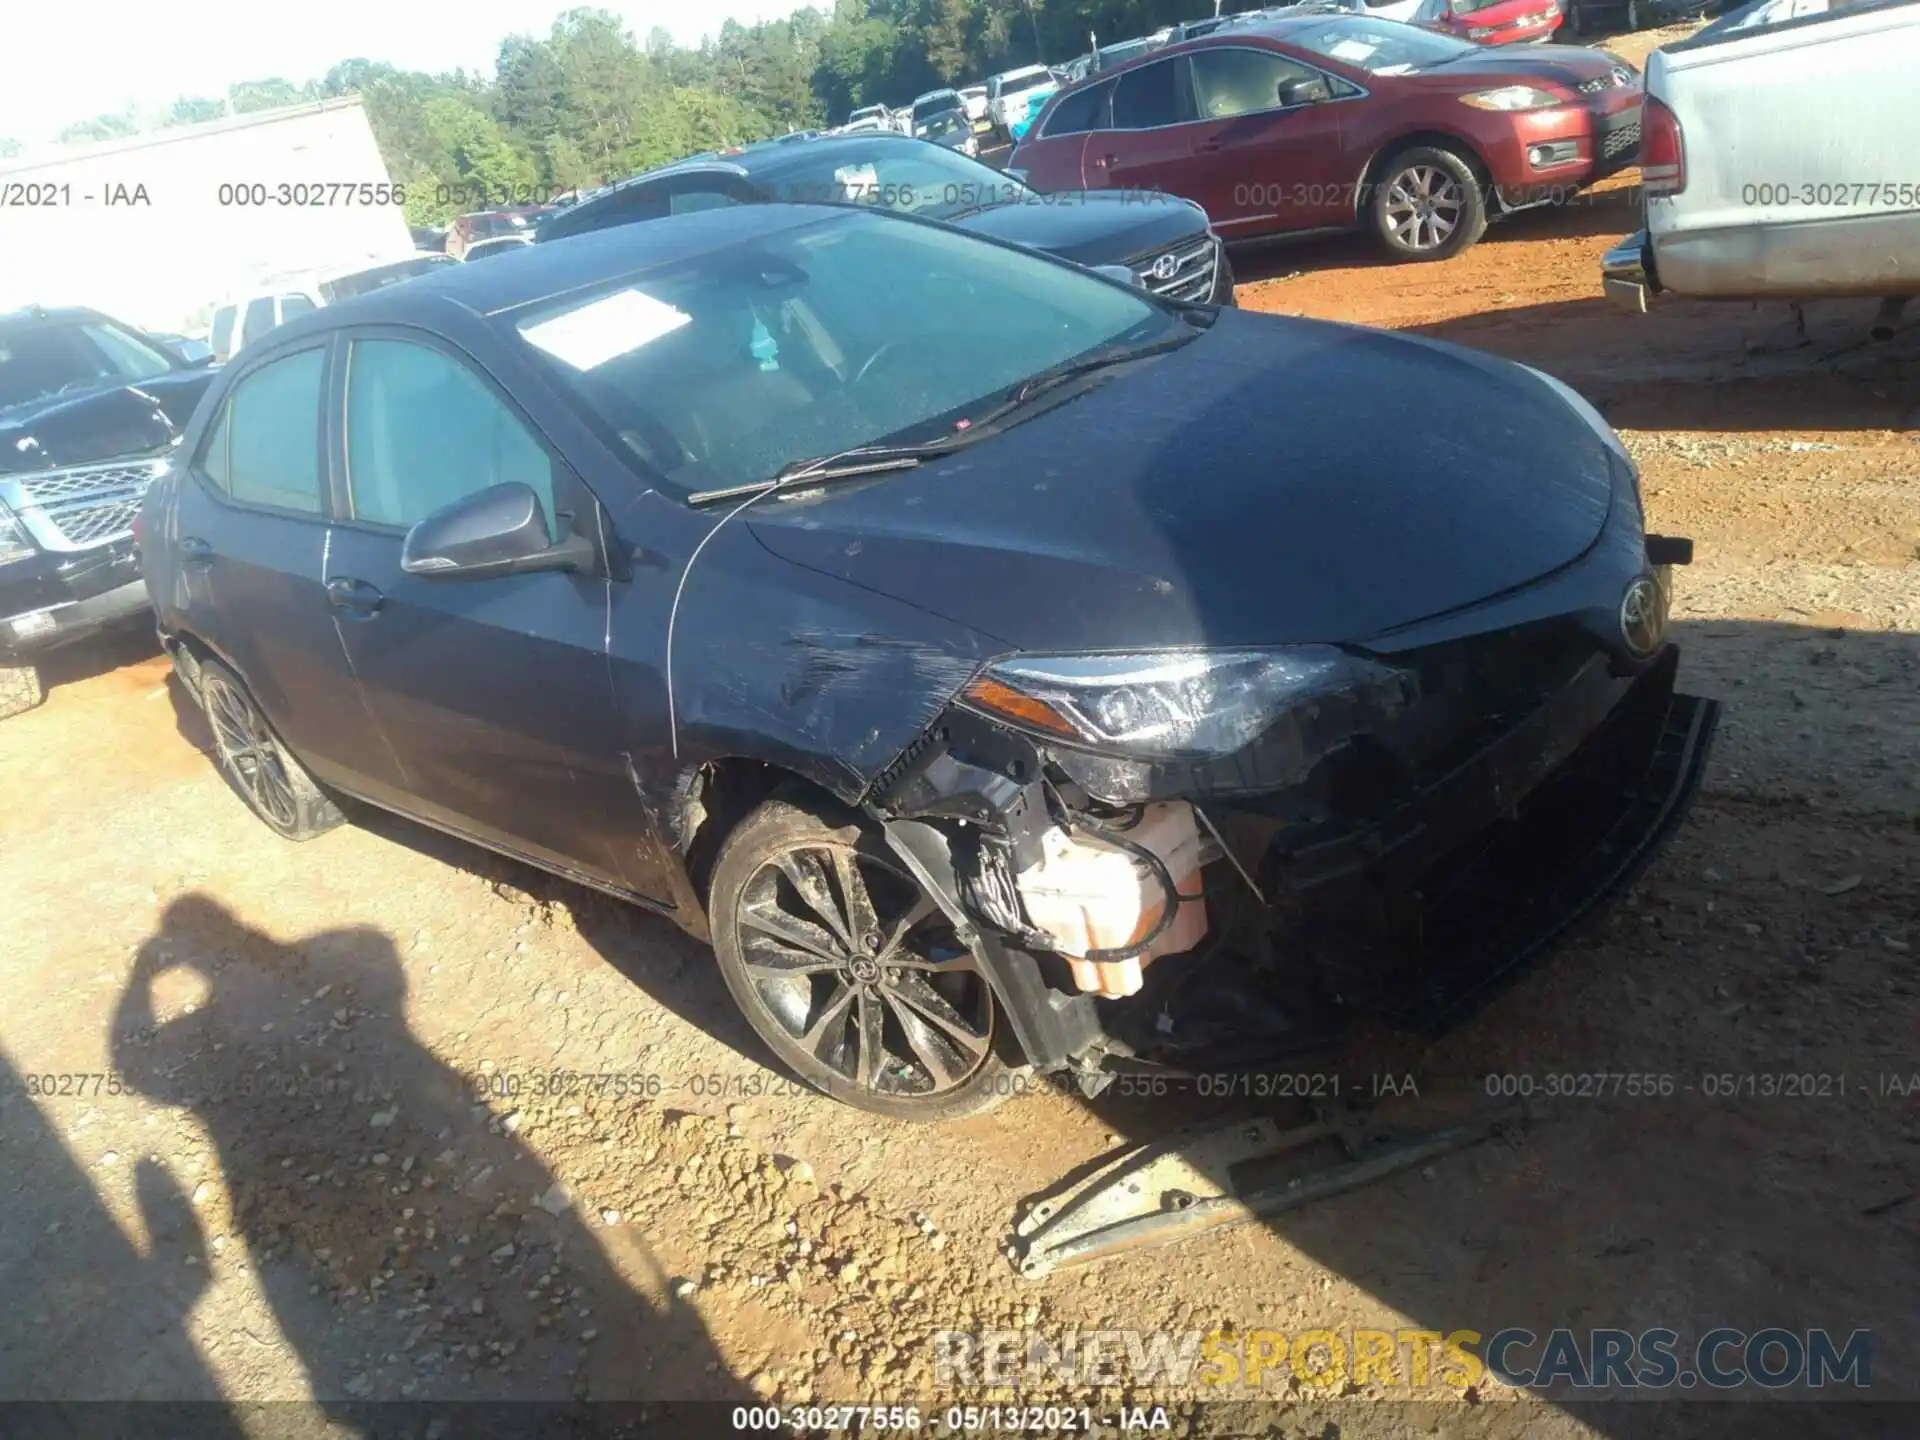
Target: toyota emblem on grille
{"x":1166,"y":267}
{"x":1643,"y":617}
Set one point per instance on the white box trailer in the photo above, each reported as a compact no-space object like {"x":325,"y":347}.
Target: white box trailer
{"x":156,"y":228}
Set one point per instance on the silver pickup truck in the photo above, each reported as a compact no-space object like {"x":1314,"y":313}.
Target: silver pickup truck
{"x":1780,"y":158}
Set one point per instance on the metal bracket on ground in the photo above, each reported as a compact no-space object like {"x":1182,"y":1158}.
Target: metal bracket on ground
{"x":1179,"y":1186}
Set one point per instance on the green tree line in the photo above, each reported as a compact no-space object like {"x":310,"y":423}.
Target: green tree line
{"x":590,"y":103}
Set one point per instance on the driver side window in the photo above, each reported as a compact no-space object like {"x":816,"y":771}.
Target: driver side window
{"x":424,"y":431}
{"x":1233,"y":81}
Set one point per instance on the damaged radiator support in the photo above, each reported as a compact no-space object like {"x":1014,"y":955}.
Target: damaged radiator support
{"x":1184,"y":1184}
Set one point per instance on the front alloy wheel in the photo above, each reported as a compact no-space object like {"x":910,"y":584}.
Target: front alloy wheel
{"x":849,"y":971}
{"x":1428,"y":205}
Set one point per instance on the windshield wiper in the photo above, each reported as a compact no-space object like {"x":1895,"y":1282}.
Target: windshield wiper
{"x":881,"y":459}
{"x":842,"y":465}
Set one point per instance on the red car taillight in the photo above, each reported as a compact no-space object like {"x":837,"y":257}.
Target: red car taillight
{"x":1663,"y":150}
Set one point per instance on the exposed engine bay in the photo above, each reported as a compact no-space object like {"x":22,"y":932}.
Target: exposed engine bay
{"x":1425,"y":824}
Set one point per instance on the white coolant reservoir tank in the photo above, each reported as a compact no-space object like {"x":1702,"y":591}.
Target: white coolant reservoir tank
{"x":1088,"y":894}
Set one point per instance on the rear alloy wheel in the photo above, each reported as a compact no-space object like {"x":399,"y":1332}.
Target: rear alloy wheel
{"x":1428,"y":205}
{"x":19,"y":689}
{"x":256,"y":764}
{"x":849,"y":971}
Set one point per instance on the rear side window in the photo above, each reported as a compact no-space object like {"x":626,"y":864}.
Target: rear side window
{"x":1080,"y":112}
{"x":1146,"y":98}
{"x":687,"y":201}
{"x":258,"y":319}
{"x":265,"y":447}
{"x":424,"y":431}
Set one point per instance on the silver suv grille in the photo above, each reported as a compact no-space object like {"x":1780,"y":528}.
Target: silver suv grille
{"x":80,"y":507}
{"x":1183,"y":271}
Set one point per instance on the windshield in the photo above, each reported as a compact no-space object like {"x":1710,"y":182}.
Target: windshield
{"x":919,"y":178}
{"x":848,"y":331}
{"x":1379,"y":47}
{"x":365,"y":282}
{"x":947,"y":122}
{"x":935,"y":104}
{"x":42,"y":359}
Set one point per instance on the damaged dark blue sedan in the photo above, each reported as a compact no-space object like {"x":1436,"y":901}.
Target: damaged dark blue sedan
{"x":1002,"y":667}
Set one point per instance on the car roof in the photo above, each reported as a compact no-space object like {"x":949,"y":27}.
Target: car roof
{"x":544,"y":271}
{"x":1017,"y":71}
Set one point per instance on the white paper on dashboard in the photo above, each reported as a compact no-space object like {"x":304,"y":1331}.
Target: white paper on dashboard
{"x":614,"y":325}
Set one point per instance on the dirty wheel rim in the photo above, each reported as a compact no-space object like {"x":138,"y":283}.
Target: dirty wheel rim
{"x":249,"y":753}
{"x":860,"y":971}
{"x":1423,"y":206}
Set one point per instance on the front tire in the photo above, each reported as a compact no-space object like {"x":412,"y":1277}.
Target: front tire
{"x":20,"y":690}
{"x":254,"y":762}
{"x":848,"y":970}
{"x":1427,"y":204}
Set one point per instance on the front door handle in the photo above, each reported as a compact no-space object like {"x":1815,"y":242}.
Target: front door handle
{"x":357,"y":596}
{"x":1209,"y":147}
{"x":195,"y":551}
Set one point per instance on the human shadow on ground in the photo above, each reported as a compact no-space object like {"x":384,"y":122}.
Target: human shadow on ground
{"x":411,"y":1246}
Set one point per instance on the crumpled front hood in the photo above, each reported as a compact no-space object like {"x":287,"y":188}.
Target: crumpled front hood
{"x":1092,"y":227}
{"x":1275,"y":481}
{"x":126,"y":420}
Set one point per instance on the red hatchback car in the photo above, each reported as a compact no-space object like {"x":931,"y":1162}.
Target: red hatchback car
{"x":1492,"y":22}
{"x":1328,"y":121}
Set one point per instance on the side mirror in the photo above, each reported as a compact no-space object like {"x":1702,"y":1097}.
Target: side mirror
{"x":501,"y":530}
{"x":1119,"y":273}
{"x":1306,"y":90}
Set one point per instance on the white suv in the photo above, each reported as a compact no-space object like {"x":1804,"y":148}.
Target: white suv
{"x":248,"y":316}
{"x":1004,"y":90}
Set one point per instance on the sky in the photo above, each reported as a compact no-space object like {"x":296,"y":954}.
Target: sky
{"x":71,"y":61}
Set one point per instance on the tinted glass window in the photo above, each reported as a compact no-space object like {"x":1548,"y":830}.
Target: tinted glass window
{"x":213,"y":452}
{"x":273,"y":440}
{"x":687,"y":201}
{"x":1080,"y":112}
{"x":927,"y":180}
{"x":222,"y":334}
{"x":423,"y":431}
{"x":1231,"y":82}
{"x":363,"y":282}
{"x":772,"y":350}
{"x":292,"y":305}
{"x":1145,"y":98}
{"x":1018,"y":83}
{"x":258,"y":319}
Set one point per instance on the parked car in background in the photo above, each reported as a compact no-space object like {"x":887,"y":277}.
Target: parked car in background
{"x":1025,"y":108}
{"x":974,"y":97}
{"x":1165,"y":243}
{"x":1492,"y":22}
{"x":245,"y":318}
{"x":935,"y":102}
{"x":1003,"y":89}
{"x":500,"y":245}
{"x":428,"y":237}
{"x":1106,"y":57}
{"x":90,"y":410}
{"x":927,"y":657}
{"x":867,"y":126}
{"x":950,"y":128}
{"x":1331,"y":121}
{"x":187,"y":349}
{"x":468,"y":230}
{"x":1769,"y":166}
{"x":867,"y":113}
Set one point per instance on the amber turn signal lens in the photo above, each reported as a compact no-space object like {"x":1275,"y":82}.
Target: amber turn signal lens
{"x":990,"y":694}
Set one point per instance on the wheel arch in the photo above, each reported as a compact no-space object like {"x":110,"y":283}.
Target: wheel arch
{"x":1390,"y":150}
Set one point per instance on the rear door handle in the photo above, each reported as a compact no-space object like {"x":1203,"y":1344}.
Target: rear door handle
{"x":1208,"y":147}
{"x":357,"y":596}
{"x":195,"y":551}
